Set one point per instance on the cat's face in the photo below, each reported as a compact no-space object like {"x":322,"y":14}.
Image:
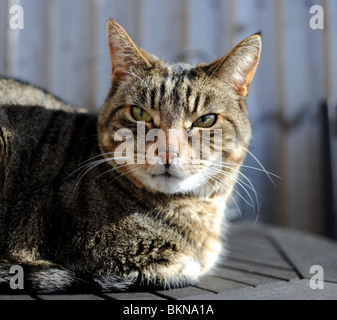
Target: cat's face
{"x":177,"y":128}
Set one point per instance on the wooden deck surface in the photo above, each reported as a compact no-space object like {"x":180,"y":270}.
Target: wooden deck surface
{"x":263,"y":263}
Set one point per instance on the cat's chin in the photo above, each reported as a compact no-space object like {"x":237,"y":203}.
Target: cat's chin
{"x":169,"y":184}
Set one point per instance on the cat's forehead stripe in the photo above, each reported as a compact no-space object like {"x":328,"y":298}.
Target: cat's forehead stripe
{"x":196,"y":103}
{"x":153,"y":98}
{"x":162,"y":90}
{"x":188,"y":94}
{"x":175,"y":89}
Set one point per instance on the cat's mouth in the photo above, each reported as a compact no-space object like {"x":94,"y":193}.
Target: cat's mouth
{"x":168,"y":173}
{"x":165,"y":175}
{"x":170,"y":180}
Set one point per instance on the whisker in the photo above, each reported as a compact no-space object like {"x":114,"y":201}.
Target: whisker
{"x":102,"y":154}
{"x":236,"y":204}
{"x":90,"y":167}
{"x":94,"y":135}
{"x":249,"y":167}
{"x":260,"y":164}
{"x":230,"y":165}
{"x":257,"y":216}
{"x":96,"y":156}
{"x":205,"y":179}
{"x":240,"y":184}
{"x":98,"y":162}
{"x":251,"y":187}
{"x":110,"y":170}
{"x":235,"y":170}
{"x":120,"y":175}
{"x":239,"y":194}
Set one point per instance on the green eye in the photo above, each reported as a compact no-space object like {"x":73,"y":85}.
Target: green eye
{"x":140,"y":114}
{"x":205,"y":121}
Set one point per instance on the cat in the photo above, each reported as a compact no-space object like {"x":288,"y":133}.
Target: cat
{"x":70,"y":214}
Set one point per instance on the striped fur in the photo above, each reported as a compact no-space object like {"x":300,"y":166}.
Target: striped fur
{"x":71,"y":215}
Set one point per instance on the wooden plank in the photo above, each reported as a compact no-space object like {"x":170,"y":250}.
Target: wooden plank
{"x":125,"y":13}
{"x":225,"y":23}
{"x":333,"y":146}
{"x":305,"y":250}
{"x":253,"y":241}
{"x":70,"y":51}
{"x":331,"y":75}
{"x":234,"y":280}
{"x":330,"y":12}
{"x":27,"y":52}
{"x":254,"y":258}
{"x":293,"y":290}
{"x":303,"y":56}
{"x":162,"y":24}
{"x":249,"y":243}
{"x":243,"y":228}
{"x":216,"y":284}
{"x":271,"y":253}
{"x":133,"y":296}
{"x":203,"y":35}
{"x":69,"y":297}
{"x":252,"y":244}
{"x":260,"y":269}
{"x":100,"y":59}
{"x":3,"y":35}
{"x":16,"y":297}
{"x":12,"y":39}
{"x":329,"y":172}
{"x":243,"y":277}
{"x":181,"y":293}
{"x":263,"y":106}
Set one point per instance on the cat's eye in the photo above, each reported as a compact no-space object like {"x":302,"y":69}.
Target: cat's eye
{"x":205,"y":121}
{"x":140,"y":114}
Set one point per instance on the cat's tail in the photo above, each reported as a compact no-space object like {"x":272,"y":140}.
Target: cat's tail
{"x":44,"y":277}
{"x":38,"y":277}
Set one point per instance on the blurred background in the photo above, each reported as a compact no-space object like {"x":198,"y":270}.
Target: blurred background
{"x":63,"y":48}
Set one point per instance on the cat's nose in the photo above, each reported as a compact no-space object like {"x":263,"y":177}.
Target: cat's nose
{"x":168,"y":157}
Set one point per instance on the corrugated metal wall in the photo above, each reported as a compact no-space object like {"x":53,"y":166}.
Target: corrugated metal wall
{"x":63,"y":48}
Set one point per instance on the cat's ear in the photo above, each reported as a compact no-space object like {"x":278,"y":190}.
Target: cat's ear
{"x":238,"y":67}
{"x":124,"y":54}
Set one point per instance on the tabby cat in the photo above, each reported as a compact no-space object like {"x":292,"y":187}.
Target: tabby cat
{"x":72,"y":214}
